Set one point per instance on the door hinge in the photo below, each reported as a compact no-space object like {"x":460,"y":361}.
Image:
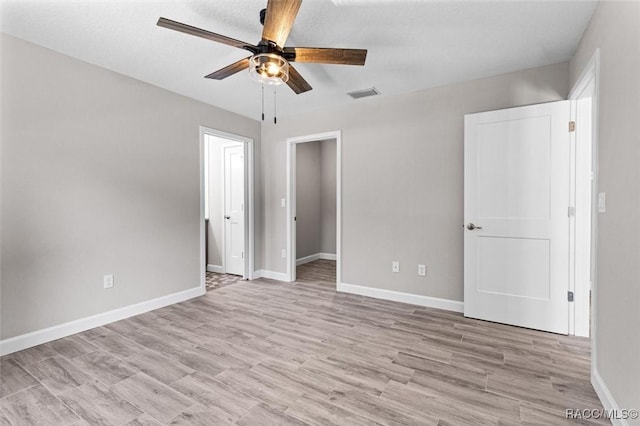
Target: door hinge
{"x":570,"y":296}
{"x":572,"y":126}
{"x":242,"y":254}
{"x":571,"y":211}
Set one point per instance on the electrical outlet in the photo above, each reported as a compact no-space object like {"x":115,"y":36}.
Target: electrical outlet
{"x":284,"y":253}
{"x":422,"y":270}
{"x":395,"y":266}
{"x":283,"y":202}
{"x":108,"y":281}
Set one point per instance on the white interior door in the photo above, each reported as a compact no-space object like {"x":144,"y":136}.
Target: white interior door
{"x":516,"y":195}
{"x":234,"y":209}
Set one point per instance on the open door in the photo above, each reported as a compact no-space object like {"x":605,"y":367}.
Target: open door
{"x":516,"y":195}
{"x":234,"y":209}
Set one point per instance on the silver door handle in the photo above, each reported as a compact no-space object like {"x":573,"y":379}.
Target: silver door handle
{"x":471,"y":227}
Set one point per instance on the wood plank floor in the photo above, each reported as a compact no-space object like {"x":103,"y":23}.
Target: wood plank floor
{"x":215,"y":280}
{"x":270,"y":353}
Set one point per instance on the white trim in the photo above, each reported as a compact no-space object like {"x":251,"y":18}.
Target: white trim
{"x":205,"y":183}
{"x":278,"y":276}
{"x":328,"y":256}
{"x":215,"y":268}
{"x":203,"y":231}
{"x":572,"y":223}
{"x":291,"y":199}
{"x":396,"y":296}
{"x":291,"y":206}
{"x":591,"y":73}
{"x":338,"y":207}
{"x":49,"y":334}
{"x":608,"y":402}
{"x":316,"y":256}
{"x":584,"y":223}
{"x":250,"y":201}
{"x":249,"y":164}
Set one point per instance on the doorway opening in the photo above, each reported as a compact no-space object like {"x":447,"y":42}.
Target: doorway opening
{"x":227,"y":208}
{"x":314,"y":206}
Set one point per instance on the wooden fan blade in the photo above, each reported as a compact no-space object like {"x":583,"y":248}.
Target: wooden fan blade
{"x":188,"y":29}
{"x":327,"y":56}
{"x":297,"y":83}
{"x":225,"y":72}
{"x":279,"y":19}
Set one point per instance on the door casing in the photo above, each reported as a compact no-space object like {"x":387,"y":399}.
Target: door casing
{"x":291,"y":199}
{"x":585,"y":310}
{"x":248,"y":195}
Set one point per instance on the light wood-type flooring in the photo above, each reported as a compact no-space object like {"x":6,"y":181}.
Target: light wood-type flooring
{"x":214,"y":280}
{"x":270,"y":353}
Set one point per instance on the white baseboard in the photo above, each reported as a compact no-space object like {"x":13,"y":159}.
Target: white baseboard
{"x":263,"y":273}
{"x":396,"y":296}
{"x":49,"y":334}
{"x":608,"y":402}
{"x":215,"y":268}
{"x":317,"y":256}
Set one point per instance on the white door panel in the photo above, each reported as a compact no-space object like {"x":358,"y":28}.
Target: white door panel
{"x":513,"y":178}
{"x":234,"y":209}
{"x":517,"y":193}
{"x":513,"y":267}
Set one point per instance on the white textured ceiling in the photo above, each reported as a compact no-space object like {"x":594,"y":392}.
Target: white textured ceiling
{"x":412,"y":44}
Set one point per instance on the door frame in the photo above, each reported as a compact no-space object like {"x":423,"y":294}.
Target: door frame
{"x":291,"y":199}
{"x":249,"y":215}
{"x":590,"y":75}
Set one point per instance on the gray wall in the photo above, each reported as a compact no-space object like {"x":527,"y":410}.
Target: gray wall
{"x":316,"y":198}
{"x":308,"y":202}
{"x":328,"y":196}
{"x":100,"y":174}
{"x":402,"y":177}
{"x":615,"y":28}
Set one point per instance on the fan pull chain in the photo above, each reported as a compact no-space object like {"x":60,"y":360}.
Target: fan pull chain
{"x":275,"y":120}
{"x":262,"y":85}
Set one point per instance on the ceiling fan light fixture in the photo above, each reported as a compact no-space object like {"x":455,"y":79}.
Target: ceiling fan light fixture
{"x":269,"y":68}
{"x":269,"y":63}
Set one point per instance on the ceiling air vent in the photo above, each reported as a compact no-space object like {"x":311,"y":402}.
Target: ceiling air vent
{"x":357,"y":94}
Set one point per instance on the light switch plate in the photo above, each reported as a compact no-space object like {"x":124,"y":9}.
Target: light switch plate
{"x":602,"y":203}
{"x":283,"y":202}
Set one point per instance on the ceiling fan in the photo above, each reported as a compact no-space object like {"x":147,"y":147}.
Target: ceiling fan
{"x":269,"y":62}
